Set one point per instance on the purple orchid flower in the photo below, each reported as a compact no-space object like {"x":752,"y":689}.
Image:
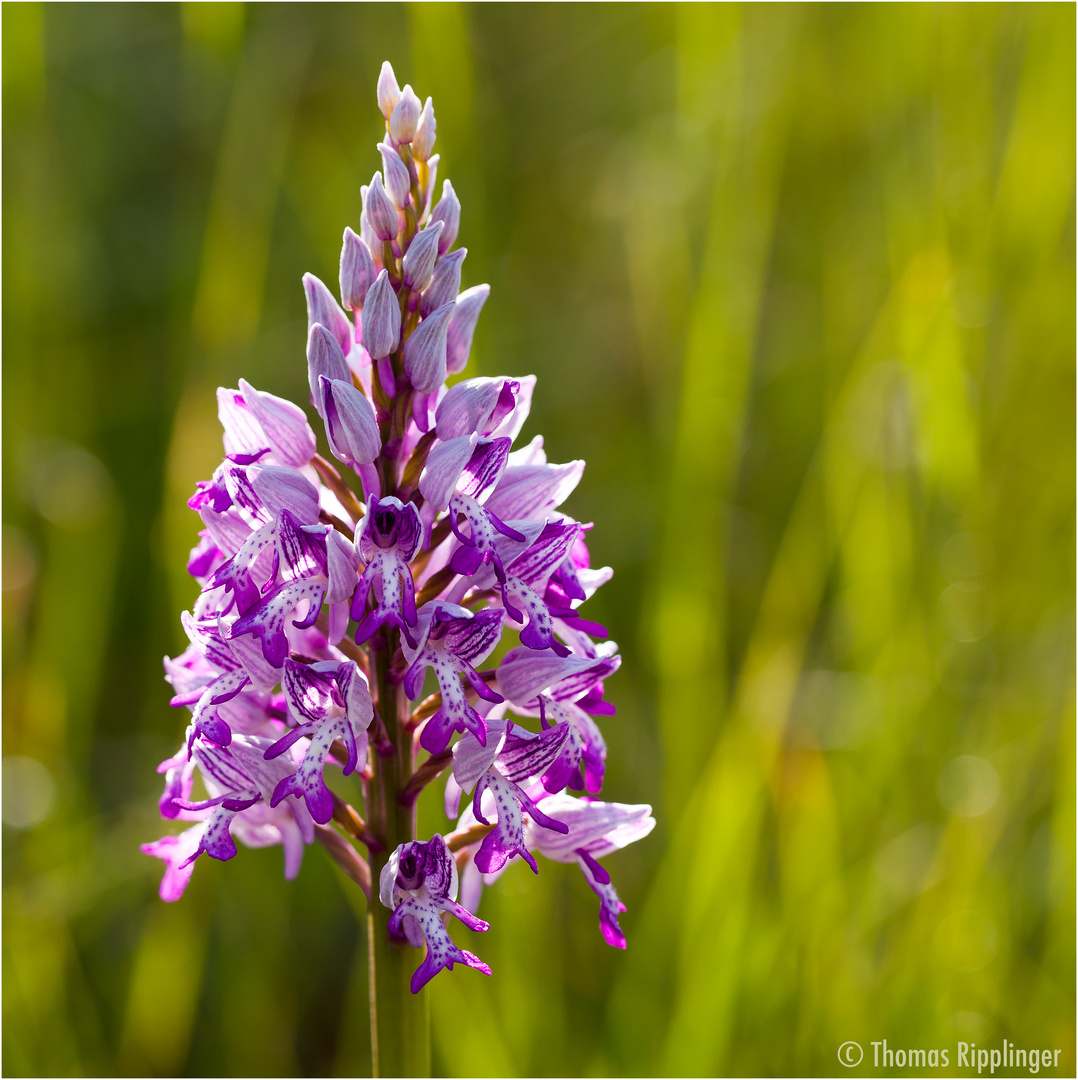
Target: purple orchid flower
{"x":452,"y":640}
{"x":418,"y":883}
{"x":238,"y":780}
{"x":311,"y":565}
{"x":330,"y":701}
{"x":561,"y":691}
{"x":388,"y":540}
{"x":459,"y":475}
{"x":511,"y":758}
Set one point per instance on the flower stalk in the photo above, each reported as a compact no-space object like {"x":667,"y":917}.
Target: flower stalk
{"x":346,"y":611}
{"x":400,"y":1020}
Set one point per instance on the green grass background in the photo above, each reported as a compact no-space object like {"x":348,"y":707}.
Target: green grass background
{"x":798,"y":282}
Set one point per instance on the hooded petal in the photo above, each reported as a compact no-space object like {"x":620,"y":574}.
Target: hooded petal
{"x":462,"y":326}
{"x":424,"y":351}
{"x":324,"y":357}
{"x":285,"y":489}
{"x":524,"y":673}
{"x":310,"y":693}
{"x":351,"y":426}
{"x":285,"y":426}
{"x":445,"y":463}
{"x":532,"y":491}
{"x":357,"y":274}
{"x":322,"y":308}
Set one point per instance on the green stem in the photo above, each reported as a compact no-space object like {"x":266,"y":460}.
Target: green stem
{"x":400,"y":1020}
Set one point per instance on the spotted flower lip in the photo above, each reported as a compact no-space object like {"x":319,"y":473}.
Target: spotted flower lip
{"x":452,"y":640}
{"x":419,"y":882}
{"x":500,"y":769}
{"x":330,"y":701}
{"x":330,"y":587}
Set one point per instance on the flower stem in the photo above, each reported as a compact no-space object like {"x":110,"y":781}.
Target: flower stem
{"x":400,"y":1020}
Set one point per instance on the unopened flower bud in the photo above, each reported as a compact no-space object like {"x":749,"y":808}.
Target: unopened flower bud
{"x":398,"y":182}
{"x":462,"y":326}
{"x":444,"y":283}
{"x":324,"y":357}
{"x":381,"y":318}
{"x":381,"y":213}
{"x":405,"y":116}
{"x":448,"y":212}
{"x":389,"y":92}
{"x":418,"y":264}
{"x":351,"y":426}
{"x":357,"y":271}
{"x":423,"y":139}
{"x":425,"y":350}
{"x":322,"y":308}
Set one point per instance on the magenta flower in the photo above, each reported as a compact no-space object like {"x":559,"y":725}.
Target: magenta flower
{"x":419,"y":882}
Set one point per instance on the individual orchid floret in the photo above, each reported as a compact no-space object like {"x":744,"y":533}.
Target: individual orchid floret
{"x":397,"y":181}
{"x":261,"y":495}
{"x":225,"y":676}
{"x":388,"y":540}
{"x":357,"y":271}
{"x":525,"y":583}
{"x":380,"y":212}
{"x":595,"y":829}
{"x":405,"y":117}
{"x":448,"y":213}
{"x":417,"y":884}
{"x":418,"y":263}
{"x":303,"y":567}
{"x":460,"y":474}
{"x":423,"y":139}
{"x":381,"y":318}
{"x":511,"y":758}
{"x":452,"y":640}
{"x":444,"y":283}
{"x":425,"y":350}
{"x":351,"y":426}
{"x":236,"y":778}
{"x":329,"y":701}
{"x":560,"y":690}
{"x":462,"y":326}
{"x":389,"y":92}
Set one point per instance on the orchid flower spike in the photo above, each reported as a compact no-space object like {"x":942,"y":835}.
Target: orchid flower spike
{"x":395,"y":600}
